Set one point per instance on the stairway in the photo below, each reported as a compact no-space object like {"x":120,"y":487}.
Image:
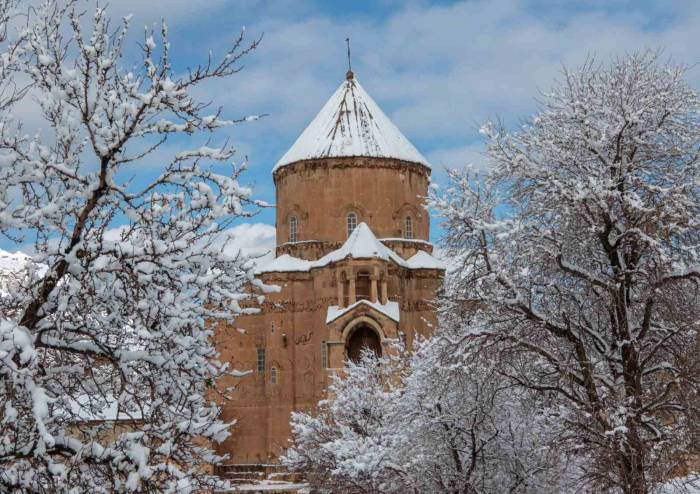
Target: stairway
{"x":262,"y":478}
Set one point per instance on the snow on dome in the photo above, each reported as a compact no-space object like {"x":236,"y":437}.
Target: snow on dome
{"x":351,"y":124}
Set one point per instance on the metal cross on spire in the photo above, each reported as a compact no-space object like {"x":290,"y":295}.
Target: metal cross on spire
{"x":349,"y":75}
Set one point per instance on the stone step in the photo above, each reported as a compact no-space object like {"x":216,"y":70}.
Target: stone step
{"x":244,"y":479}
{"x":261,"y":478}
{"x":293,"y":477}
{"x":267,"y":487}
{"x":252,"y":467}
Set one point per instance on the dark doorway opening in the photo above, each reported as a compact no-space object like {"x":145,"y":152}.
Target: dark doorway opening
{"x":363,"y":337}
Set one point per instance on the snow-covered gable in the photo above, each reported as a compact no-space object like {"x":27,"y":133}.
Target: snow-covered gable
{"x":361,"y":244}
{"x":285,"y":264}
{"x":423,"y":260}
{"x":390,"y":309}
{"x":351,"y":124}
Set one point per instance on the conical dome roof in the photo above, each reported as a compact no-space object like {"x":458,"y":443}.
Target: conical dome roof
{"x":351,"y":124}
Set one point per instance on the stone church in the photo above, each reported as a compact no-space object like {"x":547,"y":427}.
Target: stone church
{"x":353,"y":263}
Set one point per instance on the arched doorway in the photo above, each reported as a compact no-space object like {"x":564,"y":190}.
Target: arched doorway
{"x":363,"y":337}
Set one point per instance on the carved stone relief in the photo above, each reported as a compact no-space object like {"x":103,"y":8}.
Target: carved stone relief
{"x":304,"y":339}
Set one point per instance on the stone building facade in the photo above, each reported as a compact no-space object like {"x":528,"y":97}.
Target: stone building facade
{"x":353,"y":265}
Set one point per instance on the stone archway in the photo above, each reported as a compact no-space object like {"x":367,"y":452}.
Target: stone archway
{"x":363,"y":336}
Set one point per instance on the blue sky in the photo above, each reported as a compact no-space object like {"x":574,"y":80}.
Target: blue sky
{"x":438,"y":69}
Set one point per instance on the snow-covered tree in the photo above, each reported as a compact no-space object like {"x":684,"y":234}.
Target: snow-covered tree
{"x":580,"y":258}
{"x":434,"y":421}
{"x":467,"y":430}
{"x":114,"y":324}
{"x":344,"y":445}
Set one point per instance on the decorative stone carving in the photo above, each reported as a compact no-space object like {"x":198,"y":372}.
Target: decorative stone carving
{"x":287,"y":305}
{"x":417,"y":306}
{"x":304,"y":338}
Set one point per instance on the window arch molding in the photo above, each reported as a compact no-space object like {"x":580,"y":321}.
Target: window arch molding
{"x":275,"y":371}
{"x":357,"y":322}
{"x":408,"y":210}
{"x":357,"y":209}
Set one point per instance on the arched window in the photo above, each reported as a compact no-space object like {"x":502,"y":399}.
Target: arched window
{"x":293,"y":224}
{"x":352,"y":222}
{"x":408,"y":229}
{"x":273,"y":375}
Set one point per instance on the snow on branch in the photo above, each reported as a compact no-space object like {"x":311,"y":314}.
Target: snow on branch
{"x":578,"y":255}
{"x":133,"y":275}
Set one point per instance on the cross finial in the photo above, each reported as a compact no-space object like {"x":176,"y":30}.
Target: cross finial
{"x":349,"y":75}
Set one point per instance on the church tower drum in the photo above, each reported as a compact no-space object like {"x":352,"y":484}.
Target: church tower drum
{"x":353,"y":264}
{"x":350,"y":162}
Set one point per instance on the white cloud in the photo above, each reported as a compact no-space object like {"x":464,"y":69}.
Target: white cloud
{"x":441,"y":70}
{"x":254,"y":239}
{"x":146,"y":12}
{"x":438,"y":70}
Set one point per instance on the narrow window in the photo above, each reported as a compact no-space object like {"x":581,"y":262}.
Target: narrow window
{"x":273,"y":375}
{"x":324,"y":355}
{"x":363,"y":284}
{"x":272,"y":327}
{"x":408,"y":231}
{"x":293,"y":224}
{"x":352,"y":223}
{"x":261,"y":361}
